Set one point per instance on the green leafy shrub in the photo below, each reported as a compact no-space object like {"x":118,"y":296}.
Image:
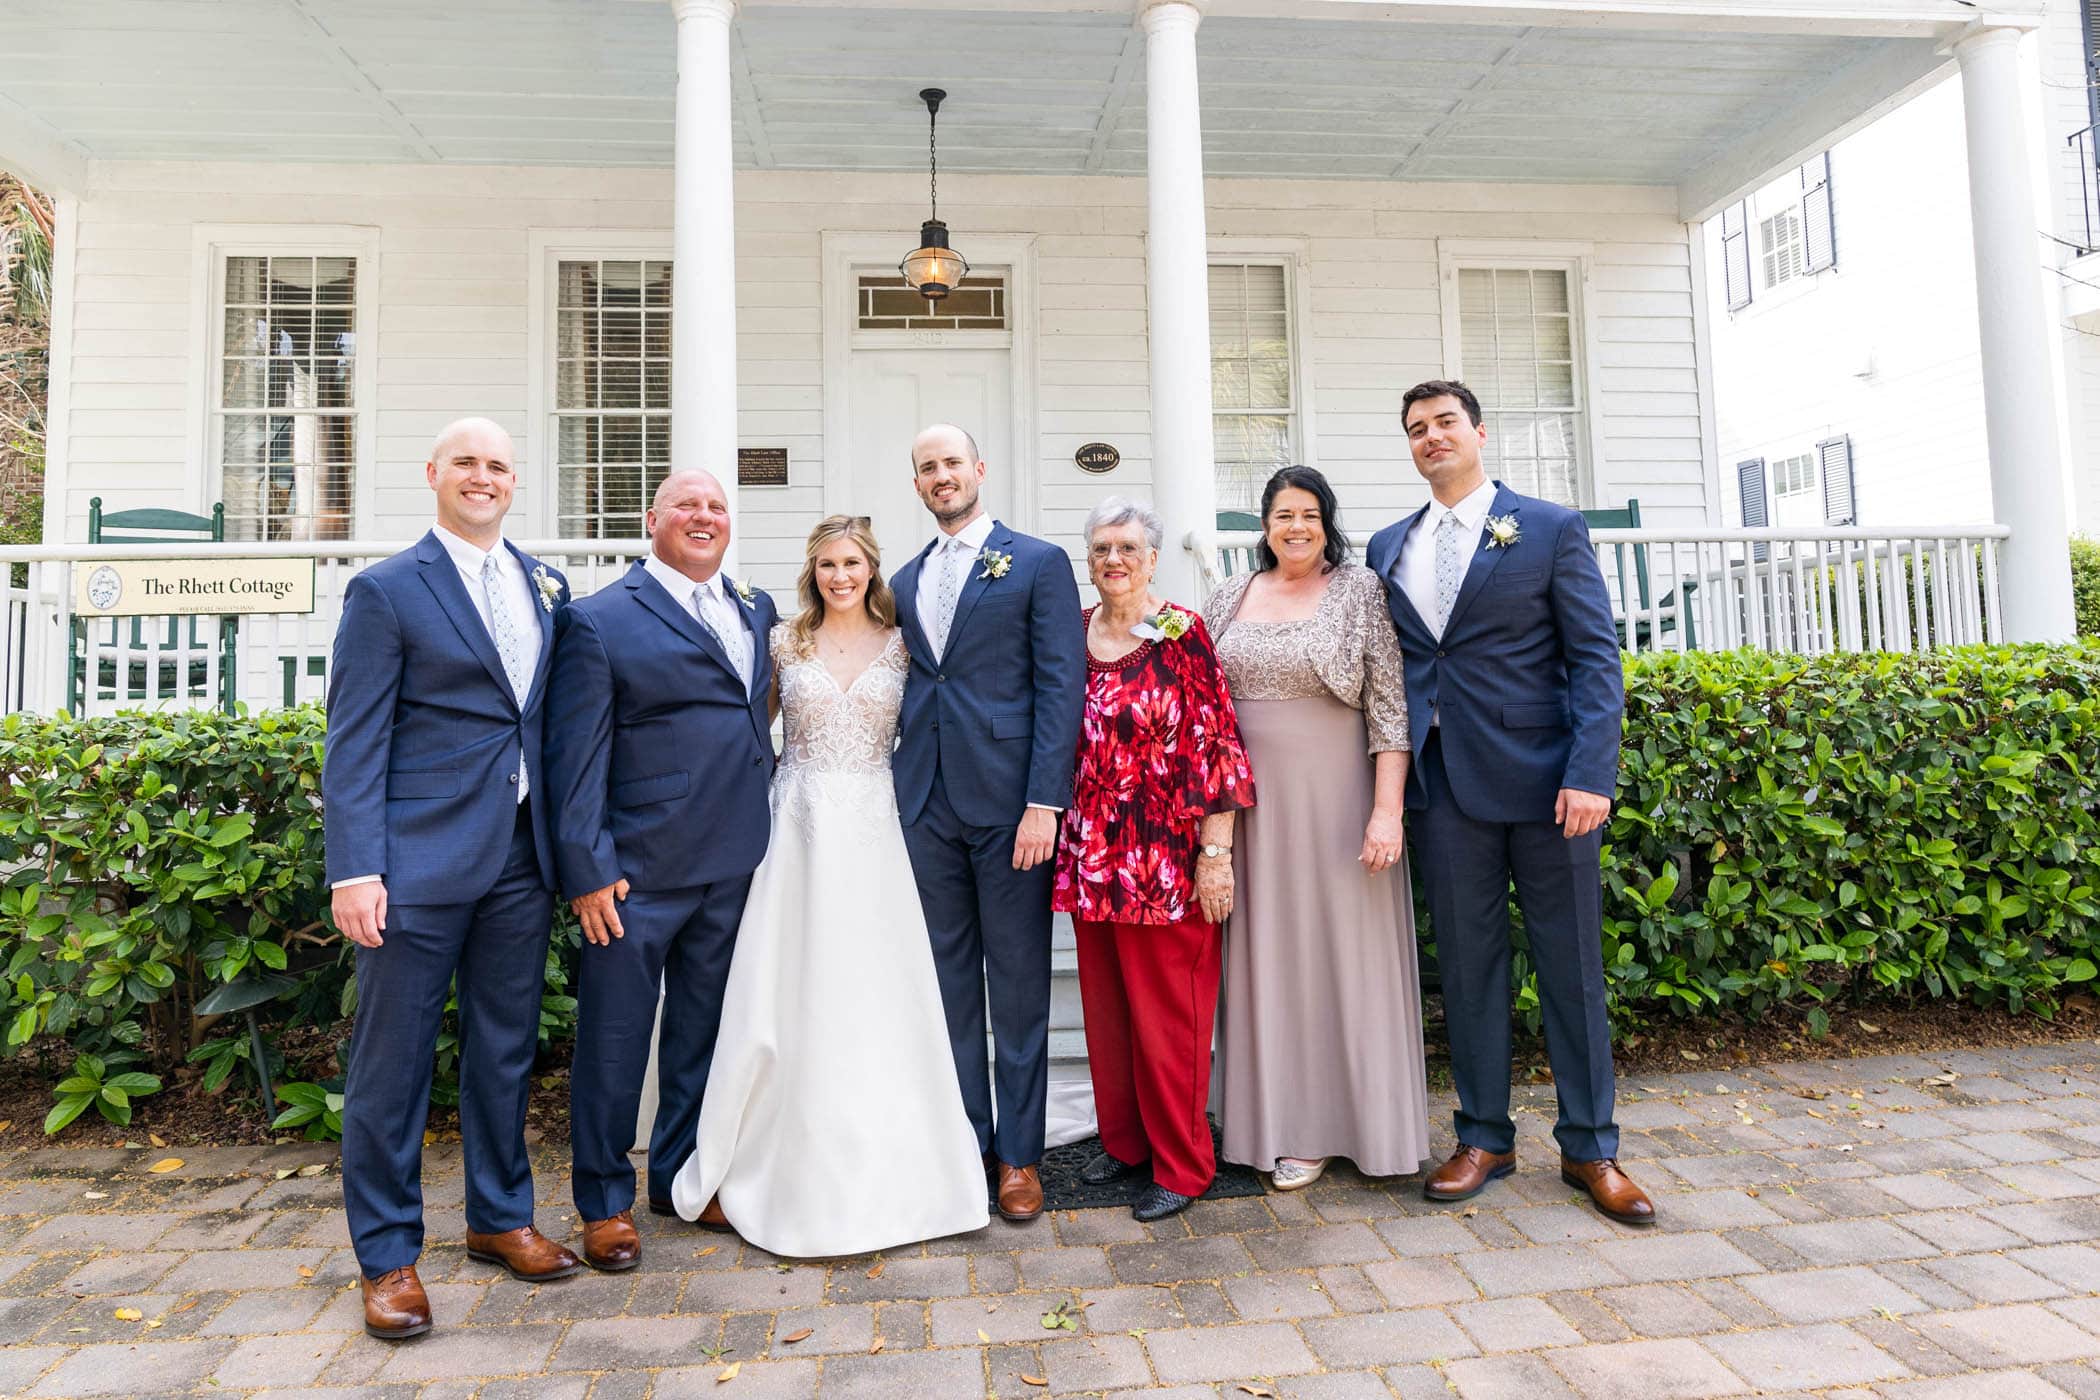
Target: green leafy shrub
{"x":157,"y":857}
{"x":2085,"y":584}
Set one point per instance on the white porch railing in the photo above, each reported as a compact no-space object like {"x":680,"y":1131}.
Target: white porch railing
{"x":1790,"y":590}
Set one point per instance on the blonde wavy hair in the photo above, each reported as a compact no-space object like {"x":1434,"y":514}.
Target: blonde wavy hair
{"x":879,"y":602}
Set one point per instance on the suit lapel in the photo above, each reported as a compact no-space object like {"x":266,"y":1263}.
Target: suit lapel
{"x":1485,"y":560}
{"x":1385,"y":560}
{"x":441,"y":575}
{"x":657,"y":599}
{"x":976,"y":580}
{"x":904,"y":587}
{"x":759,"y":667}
{"x":542,"y":613}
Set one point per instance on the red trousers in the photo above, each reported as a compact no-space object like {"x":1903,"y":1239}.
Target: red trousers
{"x":1151,"y":997}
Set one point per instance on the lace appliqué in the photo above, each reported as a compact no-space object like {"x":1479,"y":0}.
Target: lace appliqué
{"x":838,"y":742}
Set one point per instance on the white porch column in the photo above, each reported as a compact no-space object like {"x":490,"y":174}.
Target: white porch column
{"x":703,"y":249}
{"x":2020,"y":417}
{"x":1177,"y":292}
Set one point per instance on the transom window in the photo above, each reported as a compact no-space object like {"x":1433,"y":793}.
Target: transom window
{"x":612,"y":393}
{"x":287,"y":402}
{"x":886,"y":304}
{"x":1253,"y":392}
{"x":1794,"y":476}
{"x":1517,"y":350}
{"x":1781,"y":247}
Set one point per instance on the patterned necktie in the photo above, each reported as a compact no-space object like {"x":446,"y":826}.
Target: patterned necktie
{"x":708,"y":605}
{"x":1448,"y":572}
{"x":951,"y":590}
{"x":509,"y":637}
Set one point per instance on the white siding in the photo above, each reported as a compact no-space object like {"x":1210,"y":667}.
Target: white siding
{"x":452,"y":335}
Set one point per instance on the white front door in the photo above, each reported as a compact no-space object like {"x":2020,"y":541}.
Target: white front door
{"x":895,"y":393}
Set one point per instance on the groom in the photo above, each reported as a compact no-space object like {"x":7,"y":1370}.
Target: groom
{"x":1514,"y":692}
{"x":658,"y":756}
{"x":983,"y":768}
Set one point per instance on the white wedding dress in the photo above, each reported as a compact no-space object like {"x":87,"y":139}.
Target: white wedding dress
{"x":832,"y":1122}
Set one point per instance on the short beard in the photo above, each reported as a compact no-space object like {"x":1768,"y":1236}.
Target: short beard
{"x":963,"y":509}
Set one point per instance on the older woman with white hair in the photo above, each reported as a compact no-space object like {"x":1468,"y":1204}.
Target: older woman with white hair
{"x":1145,"y":866}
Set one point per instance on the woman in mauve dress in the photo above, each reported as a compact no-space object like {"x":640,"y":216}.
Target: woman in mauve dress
{"x":1321,"y":1050}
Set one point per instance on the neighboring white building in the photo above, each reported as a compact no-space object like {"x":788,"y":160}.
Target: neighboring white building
{"x":1848,"y":378}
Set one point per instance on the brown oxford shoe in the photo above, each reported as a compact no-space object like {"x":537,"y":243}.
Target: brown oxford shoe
{"x":528,"y":1254}
{"x":396,"y":1305}
{"x":611,"y":1245}
{"x":1611,"y":1189}
{"x":1467,"y":1173}
{"x":1020,"y":1192}
{"x":712,"y":1218}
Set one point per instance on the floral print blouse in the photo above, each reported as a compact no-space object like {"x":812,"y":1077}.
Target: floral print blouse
{"x":1159,"y":749}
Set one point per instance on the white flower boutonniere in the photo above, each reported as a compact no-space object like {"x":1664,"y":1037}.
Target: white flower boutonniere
{"x":1502,"y":531}
{"x":746,"y":592}
{"x":547,"y":586}
{"x":995,"y":564}
{"x":1169,"y":624}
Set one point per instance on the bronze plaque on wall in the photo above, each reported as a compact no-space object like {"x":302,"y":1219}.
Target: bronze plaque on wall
{"x":1097,"y":457}
{"x":761,"y":466}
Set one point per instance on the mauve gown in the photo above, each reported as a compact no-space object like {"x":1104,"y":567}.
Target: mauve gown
{"x":1320,"y":1046}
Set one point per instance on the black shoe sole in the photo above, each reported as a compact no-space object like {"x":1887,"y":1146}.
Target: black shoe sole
{"x":547,"y":1277}
{"x":619,"y":1268}
{"x":1580,"y":1185}
{"x":1147,"y":1217}
{"x":396,"y":1334}
{"x":1448,"y":1196}
{"x":1019,"y":1216}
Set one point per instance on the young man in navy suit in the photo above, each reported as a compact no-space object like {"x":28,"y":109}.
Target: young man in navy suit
{"x":985,"y":746}
{"x":659,"y":752}
{"x":441,"y":866}
{"x":1514,"y":693}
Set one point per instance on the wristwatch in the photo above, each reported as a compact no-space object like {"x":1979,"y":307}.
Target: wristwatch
{"x":1213,"y":852}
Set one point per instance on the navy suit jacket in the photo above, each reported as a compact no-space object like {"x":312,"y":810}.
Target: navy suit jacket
{"x":658,"y":757}
{"x":420,"y":780}
{"x":1526,"y":680}
{"x":999,"y":715}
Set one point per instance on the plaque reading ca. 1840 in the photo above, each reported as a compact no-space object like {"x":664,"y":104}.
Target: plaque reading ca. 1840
{"x":761,"y":466}
{"x":1097,"y":457}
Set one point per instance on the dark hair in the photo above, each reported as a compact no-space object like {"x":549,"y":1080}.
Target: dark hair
{"x":1440,"y":389}
{"x":1303,"y":479}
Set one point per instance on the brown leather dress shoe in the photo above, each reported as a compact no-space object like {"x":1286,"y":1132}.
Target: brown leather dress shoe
{"x":1020,"y":1192}
{"x":1611,"y":1189}
{"x":712,"y":1218}
{"x":396,"y":1305}
{"x":1467,"y":1173}
{"x":611,"y":1245}
{"x":528,"y":1254}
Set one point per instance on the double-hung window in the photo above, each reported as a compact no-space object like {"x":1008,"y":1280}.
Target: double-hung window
{"x":1518,"y":350}
{"x":612,"y":393}
{"x":1253,"y":384}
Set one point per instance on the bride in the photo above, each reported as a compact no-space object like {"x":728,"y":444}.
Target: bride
{"x":832,"y":1122}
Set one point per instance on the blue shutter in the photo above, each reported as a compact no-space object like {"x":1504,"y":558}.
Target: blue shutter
{"x":1818,"y":216}
{"x":1750,"y":486}
{"x":1834,"y":461}
{"x":1735,"y":254}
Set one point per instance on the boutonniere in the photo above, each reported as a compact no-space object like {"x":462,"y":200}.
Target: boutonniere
{"x":995,"y":564}
{"x":1502,"y":531}
{"x":547,"y":586}
{"x":746,"y":592}
{"x":1169,"y":624}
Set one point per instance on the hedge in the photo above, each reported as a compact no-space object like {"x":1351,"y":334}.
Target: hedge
{"x":1790,"y":831}
{"x":2085,"y":584}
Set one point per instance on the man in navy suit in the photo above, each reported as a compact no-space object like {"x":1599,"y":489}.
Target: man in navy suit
{"x":985,"y":747}
{"x":659,"y":751}
{"x":1514,"y":695}
{"x":440,"y":863}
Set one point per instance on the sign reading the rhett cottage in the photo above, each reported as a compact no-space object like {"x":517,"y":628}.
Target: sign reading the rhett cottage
{"x":761,"y":466}
{"x":1097,"y":457}
{"x":154,"y":587}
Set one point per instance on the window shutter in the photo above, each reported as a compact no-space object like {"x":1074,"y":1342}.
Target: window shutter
{"x":1750,"y":485}
{"x":1735,"y":254}
{"x":1834,"y":457}
{"x":1818,"y":220}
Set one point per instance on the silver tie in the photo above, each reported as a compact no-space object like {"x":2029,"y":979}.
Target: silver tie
{"x":951,"y":590}
{"x":509,"y":637}
{"x":1449,"y":572}
{"x":728,"y":631}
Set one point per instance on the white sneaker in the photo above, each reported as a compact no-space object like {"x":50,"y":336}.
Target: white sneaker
{"x":1291,"y":1176}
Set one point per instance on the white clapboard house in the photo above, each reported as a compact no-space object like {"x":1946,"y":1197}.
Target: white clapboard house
{"x":1848,"y":366}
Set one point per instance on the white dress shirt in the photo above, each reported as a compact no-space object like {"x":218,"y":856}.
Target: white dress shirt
{"x":957,"y":554}
{"x":1416,"y":567}
{"x":728,"y":625}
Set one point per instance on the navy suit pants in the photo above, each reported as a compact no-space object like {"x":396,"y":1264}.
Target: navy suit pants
{"x":497,"y":949}
{"x":681,"y":940}
{"x":989,"y":921}
{"x":1467,"y":867}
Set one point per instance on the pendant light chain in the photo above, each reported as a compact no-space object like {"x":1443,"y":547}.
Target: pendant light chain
{"x":933,"y":158}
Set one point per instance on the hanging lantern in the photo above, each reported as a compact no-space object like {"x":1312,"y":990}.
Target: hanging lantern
{"x":933,"y":269}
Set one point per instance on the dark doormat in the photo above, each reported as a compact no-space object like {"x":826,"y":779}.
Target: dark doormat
{"x":1063,"y":1190}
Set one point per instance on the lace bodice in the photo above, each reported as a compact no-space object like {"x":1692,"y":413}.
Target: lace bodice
{"x":830,"y":730}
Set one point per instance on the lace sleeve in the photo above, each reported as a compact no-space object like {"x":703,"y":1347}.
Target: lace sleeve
{"x":787,"y":647}
{"x":1385,"y":677}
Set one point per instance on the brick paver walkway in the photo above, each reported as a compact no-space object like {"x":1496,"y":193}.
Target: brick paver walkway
{"x":1893,"y":1226}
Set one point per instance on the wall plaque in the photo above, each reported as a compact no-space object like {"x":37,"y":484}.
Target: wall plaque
{"x":761,"y":466}
{"x":1097,"y":457}
{"x":160,"y":587}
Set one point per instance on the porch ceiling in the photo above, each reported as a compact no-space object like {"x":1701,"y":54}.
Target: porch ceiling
{"x":585,"y":82}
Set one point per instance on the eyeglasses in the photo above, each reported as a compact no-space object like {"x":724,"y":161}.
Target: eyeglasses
{"x":1118,"y":551}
